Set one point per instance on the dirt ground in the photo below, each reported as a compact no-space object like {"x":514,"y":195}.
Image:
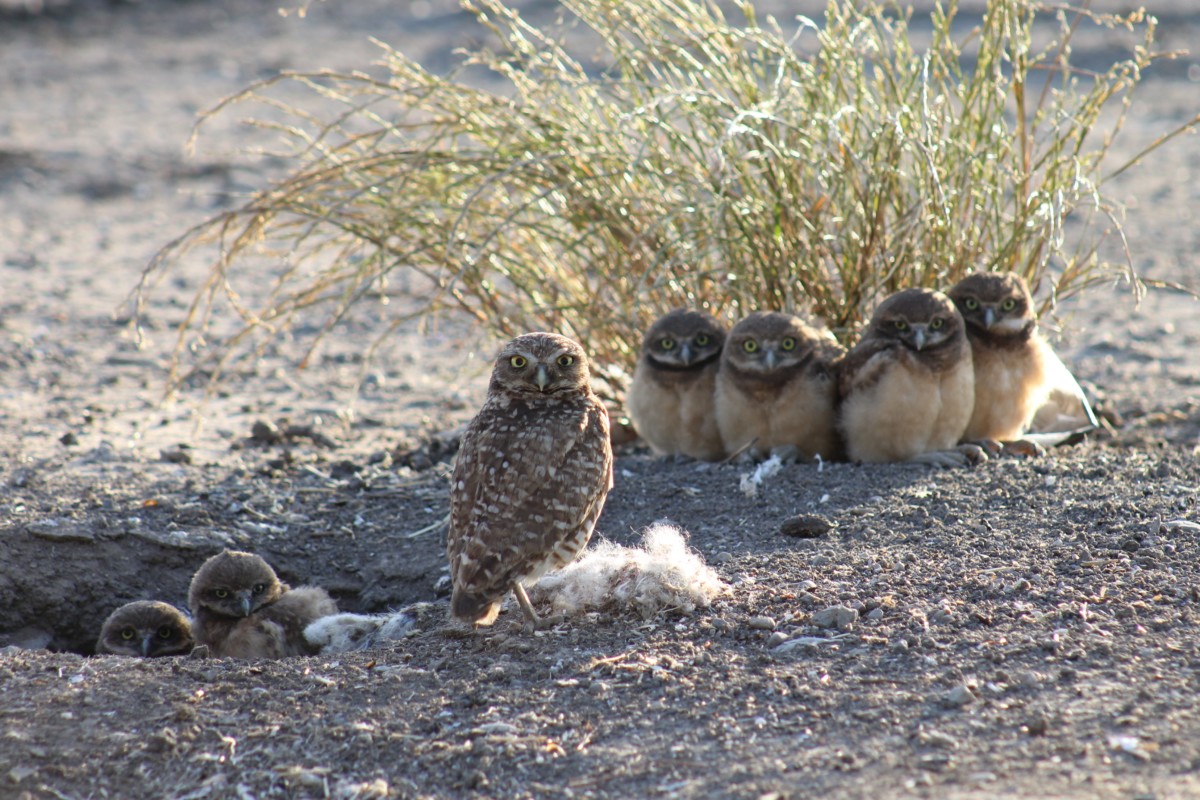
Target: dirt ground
{"x":1023,"y":628}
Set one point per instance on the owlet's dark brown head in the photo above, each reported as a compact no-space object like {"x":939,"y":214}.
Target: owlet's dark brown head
{"x":234,"y":584}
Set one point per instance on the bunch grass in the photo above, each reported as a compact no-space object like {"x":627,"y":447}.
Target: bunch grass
{"x":799,"y":165}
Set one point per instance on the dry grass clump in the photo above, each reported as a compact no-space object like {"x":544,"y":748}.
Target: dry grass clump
{"x":802,"y":164}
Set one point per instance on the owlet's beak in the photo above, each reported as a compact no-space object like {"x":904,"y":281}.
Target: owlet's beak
{"x":919,"y":337}
{"x":541,"y":376}
{"x":989,"y":317}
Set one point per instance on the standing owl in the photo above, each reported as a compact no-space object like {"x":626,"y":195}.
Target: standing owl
{"x":146,"y":628}
{"x":777,"y":386}
{"x":240,"y":608}
{"x":1013,"y":363}
{"x":907,"y":389}
{"x":671,"y":397}
{"x":532,"y":474}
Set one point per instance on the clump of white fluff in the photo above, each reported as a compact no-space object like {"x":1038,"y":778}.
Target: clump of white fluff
{"x":662,"y":575}
{"x":341,"y":633}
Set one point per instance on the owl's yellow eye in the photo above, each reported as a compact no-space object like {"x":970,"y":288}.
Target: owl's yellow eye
{"x":971,"y":304}
{"x":566,"y":361}
{"x":259,"y":588}
{"x":128,"y":633}
{"x":667,"y":344}
{"x":788,"y":343}
{"x":220,"y":594}
{"x":750,"y":346}
{"x":1009,"y":304}
{"x":936,"y":323}
{"x":900,"y":325}
{"x":702,"y":339}
{"x":518,"y":362}
{"x":165,"y":632}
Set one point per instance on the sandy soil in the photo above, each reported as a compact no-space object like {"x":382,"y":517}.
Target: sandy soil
{"x":1025,"y":628}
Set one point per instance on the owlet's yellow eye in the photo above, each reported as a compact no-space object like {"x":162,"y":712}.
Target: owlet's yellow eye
{"x":788,"y":343}
{"x":702,"y":339}
{"x":750,"y":346}
{"x":900,"y":325}
{"x":971,"y":304}
{"x":165,"y":632}
{"x":936,"y":323}
{"x":518,"y":362}
{"x":566,"y":361}
{"x":1009,"y":304}
{"x":221,"y":594}
{"x":128,"y":633}
{"x":259,"y":588}
{"x":667,"y":344}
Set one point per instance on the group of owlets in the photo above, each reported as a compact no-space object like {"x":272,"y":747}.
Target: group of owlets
{"x":240,"y":609}
{"x":931,"y":373}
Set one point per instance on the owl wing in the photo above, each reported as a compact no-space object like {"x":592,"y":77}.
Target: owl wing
{"x":1066,"y":412}
{"x":521,"y":489}
{"x":864,"y":365}
{"x":292,"y":612}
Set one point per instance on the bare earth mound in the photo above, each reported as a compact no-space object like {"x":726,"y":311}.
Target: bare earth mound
{"x":1024,"y":628}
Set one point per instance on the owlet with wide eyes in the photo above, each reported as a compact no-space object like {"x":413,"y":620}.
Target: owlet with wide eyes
{"x":148,"y":629}
{"x":531,"y":477}
{"x":907,"y":389}
{"x":1014,"y":365}
{"x":776,"y":388}
{"x":671,"y":397}
{"x":240,"y":608}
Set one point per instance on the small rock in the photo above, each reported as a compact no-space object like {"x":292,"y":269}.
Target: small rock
{"x":875,"y":614}
{"x":938,"y":739}
{"x":777,"y":638}
{"x":723,"y":557}
{"x":839,"y":617}
{"x":761,"y":623}
{"x":805,"y":526}
{"x":69,"y":439}
{"x":958,"y":697}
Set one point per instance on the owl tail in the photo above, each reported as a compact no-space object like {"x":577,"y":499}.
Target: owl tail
{"x":474,"y":608}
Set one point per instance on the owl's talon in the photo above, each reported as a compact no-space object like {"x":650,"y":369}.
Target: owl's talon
{"x":1023,"y":448}
{"x":974,"y":453}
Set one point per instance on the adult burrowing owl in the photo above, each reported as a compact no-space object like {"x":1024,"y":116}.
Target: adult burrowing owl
{"x":532,"y":473}
{"x":907,"y":388}
{"x":1013,"y":363}
{"x":776,"y":387}
{"x":241,"y":609}
{"x":671,"y":398}
{"x":146,"y":628}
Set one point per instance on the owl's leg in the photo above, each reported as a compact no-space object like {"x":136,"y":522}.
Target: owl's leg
{"x":531,"y":618}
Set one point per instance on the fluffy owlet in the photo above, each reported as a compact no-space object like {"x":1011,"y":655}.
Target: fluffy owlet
{"x":907,"y":389}
{"x":532,"y":473}
{"x":671,"y":398}
{"x":1013,"y":363}
{"x":776,"y":387}
{"x":146,"y":628}
{"x":240,"y":609}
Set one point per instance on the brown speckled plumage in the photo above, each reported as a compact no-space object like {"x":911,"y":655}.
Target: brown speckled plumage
{"x":531,"y":477}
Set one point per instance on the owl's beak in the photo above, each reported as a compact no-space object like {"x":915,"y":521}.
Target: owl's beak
{"x":147,"y":642}
{"x":685,"y":353}
{"x":989,"y":317}
{"x":919,"y":337}
{"x":541,"y":376}
{"x":771,"y":358}
{"x":246,"y":603}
